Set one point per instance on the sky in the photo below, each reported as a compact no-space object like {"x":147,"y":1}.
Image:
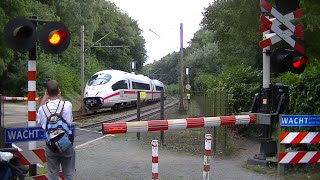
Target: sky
{"x":160,"y":22}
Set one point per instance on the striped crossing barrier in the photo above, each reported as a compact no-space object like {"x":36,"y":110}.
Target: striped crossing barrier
{"x":155,"y":160}
{"x":207,"y":155}
{"x":17,"y":98}
{"x":299,"y":137}
{"x":295,"y":157}
{"x":299,"y":157}
{"x":29,"y":157}
{"x":35,"y":156}
{"x":162,"y":125}
{"x":45,"y":177}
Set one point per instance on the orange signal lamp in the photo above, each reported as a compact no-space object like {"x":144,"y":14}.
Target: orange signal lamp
{"x":56,"y":37}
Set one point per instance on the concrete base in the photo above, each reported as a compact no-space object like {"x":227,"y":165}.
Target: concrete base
{"x":252,"y":161}
{"x":261,"y":160}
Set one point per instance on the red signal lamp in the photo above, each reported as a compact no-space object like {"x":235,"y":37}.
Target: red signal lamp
{"x":288,"y":60}
{"x":54,"y":37}
{"x":300,"y":62}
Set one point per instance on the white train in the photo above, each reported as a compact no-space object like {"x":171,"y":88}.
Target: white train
{"x":115,"y":89}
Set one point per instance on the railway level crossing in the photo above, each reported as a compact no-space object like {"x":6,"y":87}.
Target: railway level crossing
{"x":161,"y":125}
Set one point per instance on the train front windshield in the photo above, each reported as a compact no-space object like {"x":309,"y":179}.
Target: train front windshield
{"x":99,"y":79}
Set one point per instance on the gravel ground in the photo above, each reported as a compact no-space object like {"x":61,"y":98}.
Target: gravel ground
{"x":122,"y":157}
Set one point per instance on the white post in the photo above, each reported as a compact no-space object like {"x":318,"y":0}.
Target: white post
{"x":154,"y":145}
{"x":82,"y":66}
{"x":207,"y":155}
{"x":266,"y":62}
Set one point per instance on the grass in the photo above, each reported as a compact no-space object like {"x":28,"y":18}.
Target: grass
{"x":260,"y":169}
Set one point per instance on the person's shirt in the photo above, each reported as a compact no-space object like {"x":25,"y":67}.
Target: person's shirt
{"x":52,"y":106}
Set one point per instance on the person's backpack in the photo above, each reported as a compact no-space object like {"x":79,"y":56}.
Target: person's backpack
{"x":58,"y":133}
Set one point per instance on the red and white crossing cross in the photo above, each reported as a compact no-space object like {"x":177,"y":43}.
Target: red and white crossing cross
{"x":279,"y":34}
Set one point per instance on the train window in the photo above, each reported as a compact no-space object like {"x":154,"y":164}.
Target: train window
{"x":142,"y":86}
{"x":120,"y":85}
{"x":99,"y":79}
{"x":158,"y":88}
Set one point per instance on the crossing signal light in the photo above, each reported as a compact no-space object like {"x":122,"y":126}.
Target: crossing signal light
{"x":287,"y":60}
{"x":54,"y":37}
{"x":20,"y":34}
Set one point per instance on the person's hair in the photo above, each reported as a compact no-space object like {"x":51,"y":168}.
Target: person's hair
{"x":52,"y":88}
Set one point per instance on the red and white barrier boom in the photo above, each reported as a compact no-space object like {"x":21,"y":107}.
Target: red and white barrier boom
{"x":274,"y":23}
{"x":162,"y":125}
{"x":17,"y":98}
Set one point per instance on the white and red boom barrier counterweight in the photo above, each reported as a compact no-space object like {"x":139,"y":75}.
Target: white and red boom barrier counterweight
{"x":162,"y":125}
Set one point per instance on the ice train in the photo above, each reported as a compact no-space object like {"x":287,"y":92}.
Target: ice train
{"x":115,"y":89}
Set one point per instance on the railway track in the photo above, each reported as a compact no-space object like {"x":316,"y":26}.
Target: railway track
{"x":94,"y":122}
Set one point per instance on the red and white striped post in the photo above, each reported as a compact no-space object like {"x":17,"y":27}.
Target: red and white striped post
{"x":154,"y":145}
{"x":32,"y":98}
{"x":207,"y":154}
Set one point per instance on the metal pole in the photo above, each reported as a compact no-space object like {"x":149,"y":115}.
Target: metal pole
{"x":266,"y":61}
{"x":188,"y":91}
{"x":1,"y":123}
{"x":181,"y":107}
{"x":138,"y":111}
{"x":82,"y":66}
{"x":162,"y":115}
{"x":266,"y":76}
{"x":32,"y":96}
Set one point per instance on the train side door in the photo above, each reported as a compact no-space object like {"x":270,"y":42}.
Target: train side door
{"x":121,"y":86}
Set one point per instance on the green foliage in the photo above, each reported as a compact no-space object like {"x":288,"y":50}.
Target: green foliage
{"x":100,"y":19}
{"x":304,"y":90}
{"x":234,"y":25}
{"x":241,"y":82}
{"x":311,"y":22}
{"x":61,"y":72}
{"x":203,"y":55}
{"x":172,"y":89}
{"x":165,"y":70}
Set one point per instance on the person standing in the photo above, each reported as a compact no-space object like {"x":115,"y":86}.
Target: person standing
{"x":66,"y":159}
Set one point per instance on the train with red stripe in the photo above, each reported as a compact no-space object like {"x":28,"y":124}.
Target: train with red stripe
{"x":116,"y":89}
